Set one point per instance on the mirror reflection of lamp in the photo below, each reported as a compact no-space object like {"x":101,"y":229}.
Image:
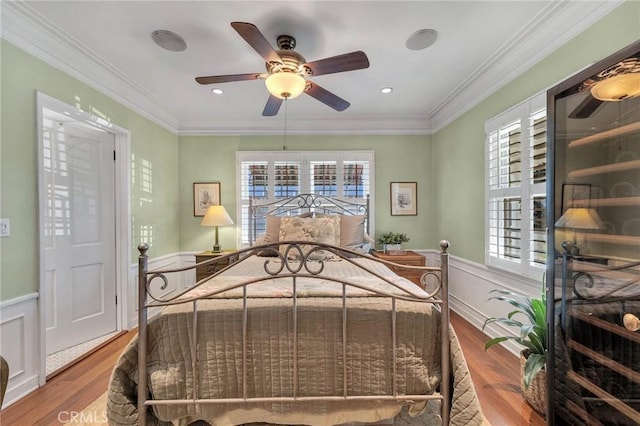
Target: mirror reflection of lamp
{"x":617,"y":88}
{"x":216,"y":216}
{"x":581,"y":219}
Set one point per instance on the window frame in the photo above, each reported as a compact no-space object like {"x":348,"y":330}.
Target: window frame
{"x":306,"y":160}
{"x":527,"y":191}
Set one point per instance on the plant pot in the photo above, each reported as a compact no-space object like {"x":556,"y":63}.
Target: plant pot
{"x":536,"y":393}
{"x":390,"y":248}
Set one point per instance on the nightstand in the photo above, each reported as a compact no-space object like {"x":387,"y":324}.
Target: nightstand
{"x":210,"y":268}
{"x":408,"y":258}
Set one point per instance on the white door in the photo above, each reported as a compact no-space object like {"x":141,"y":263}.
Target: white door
{"x":79,"y":229}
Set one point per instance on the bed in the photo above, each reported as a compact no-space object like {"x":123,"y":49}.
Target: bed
{"x":306,"y":329}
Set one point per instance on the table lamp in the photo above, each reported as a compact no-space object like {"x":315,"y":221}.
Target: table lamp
{"x":578,"y":218}
{"x":216,"y":216}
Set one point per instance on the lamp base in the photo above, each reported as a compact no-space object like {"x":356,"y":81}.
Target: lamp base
{"x":571,"y":248}
{"x":216,"y":248}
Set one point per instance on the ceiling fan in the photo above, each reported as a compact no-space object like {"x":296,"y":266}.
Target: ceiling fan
{"x":287,"y":70}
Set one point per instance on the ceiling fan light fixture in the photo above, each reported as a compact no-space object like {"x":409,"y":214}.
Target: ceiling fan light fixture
{"x":617,"y":88}
{"x":285,"y":85}
{"x":169,"y":40}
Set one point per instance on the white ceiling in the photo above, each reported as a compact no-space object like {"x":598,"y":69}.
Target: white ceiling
{"x":481,"y":46}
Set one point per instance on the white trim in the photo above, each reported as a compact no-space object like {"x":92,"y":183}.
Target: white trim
{"x":122,"y":209}
{"x":177,"y":282}
{"x":551,"y":28}
{"x":469,"y":287}
{"x":382,"y":125}
{"x":521,"y":113}
{"x":554,"y":26}
{"x":27,"y":29}
{"x":6,"y":304}
{"x":19,"y":345}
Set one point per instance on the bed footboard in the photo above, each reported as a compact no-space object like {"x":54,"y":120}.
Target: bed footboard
{"x":299,"y":273}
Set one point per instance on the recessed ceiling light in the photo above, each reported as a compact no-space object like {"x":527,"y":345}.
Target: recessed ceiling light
{"x":421,"y":39}
{"x":386,"y":89}
{"x":217,"y":91}
{"x":169,"y":40}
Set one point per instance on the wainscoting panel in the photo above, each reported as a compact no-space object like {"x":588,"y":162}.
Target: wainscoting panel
{"x":176,"y":281}
{"x":469,"y":287}
{"x":19,"y":345}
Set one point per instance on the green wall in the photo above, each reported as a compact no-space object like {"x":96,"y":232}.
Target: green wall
{"x":448,"y":166}
{"x":458,"y":149}
{"x":21,"y":76}
{"x":397,"y":158}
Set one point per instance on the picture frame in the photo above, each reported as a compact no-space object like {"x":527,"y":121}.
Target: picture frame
{"x":575,"y":195}
{"x":404,"y":198}
{"x":205,"y":194}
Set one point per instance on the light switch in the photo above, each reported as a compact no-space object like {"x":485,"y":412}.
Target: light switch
{"x":5,"y":230}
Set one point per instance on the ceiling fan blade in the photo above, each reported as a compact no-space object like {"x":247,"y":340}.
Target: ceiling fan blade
{"x":346,"y":62}
{"x":272,"y":107}
{"x":587,"y":107}
{"x":257,"y":40}
{"x":227,"y":78}
{"x":326,"y":97}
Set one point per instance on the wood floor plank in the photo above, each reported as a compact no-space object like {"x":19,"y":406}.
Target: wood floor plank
{"x":495,"y":374}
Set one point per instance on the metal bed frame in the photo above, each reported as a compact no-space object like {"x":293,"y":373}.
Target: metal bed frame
{"x":434,"y":279}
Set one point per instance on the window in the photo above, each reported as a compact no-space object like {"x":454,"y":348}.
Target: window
{"x":516,"y":146}
{"x":268,"y":176}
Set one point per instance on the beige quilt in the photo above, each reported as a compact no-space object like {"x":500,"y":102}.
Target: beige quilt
{"x":270,"y":367}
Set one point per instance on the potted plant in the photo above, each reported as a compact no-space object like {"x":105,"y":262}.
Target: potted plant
{"x":529,"y":318}
{"x":392,"y":241}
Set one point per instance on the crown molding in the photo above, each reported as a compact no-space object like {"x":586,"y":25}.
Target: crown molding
{"x":33,"y":33}
{"x":559,"y":22}
{"x":350,"y":126}
{"x":554,"y":26}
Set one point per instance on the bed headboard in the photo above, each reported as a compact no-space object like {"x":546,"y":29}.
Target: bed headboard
{"x":310,"y":204}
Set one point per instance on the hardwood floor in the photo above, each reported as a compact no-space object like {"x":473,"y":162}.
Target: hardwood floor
{"x":495,"y":374}
{"x":496,"y":377}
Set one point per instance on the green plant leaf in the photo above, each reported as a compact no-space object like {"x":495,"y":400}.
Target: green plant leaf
{"x":533,"y":364}
{"x":529,"y":318}
{"x":496,"y":340}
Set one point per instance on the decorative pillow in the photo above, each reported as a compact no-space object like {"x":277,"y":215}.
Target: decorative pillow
{"x":318,"y":230}
{"x":272,"y":234}
{"x":352,"y":231}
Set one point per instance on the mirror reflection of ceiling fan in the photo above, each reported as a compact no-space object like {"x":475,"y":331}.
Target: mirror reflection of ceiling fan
{"x":617,"y":83}
{"x":288,"y":71}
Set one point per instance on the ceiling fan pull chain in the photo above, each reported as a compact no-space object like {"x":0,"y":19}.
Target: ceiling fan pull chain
{"x":284,"y":140}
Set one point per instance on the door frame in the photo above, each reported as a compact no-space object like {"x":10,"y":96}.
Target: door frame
{"x":122,"y":202}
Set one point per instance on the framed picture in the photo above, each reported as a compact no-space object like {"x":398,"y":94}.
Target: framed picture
{"x":205,"y":194}
{"x":575,"y":195}
{"x":404,"y":198}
